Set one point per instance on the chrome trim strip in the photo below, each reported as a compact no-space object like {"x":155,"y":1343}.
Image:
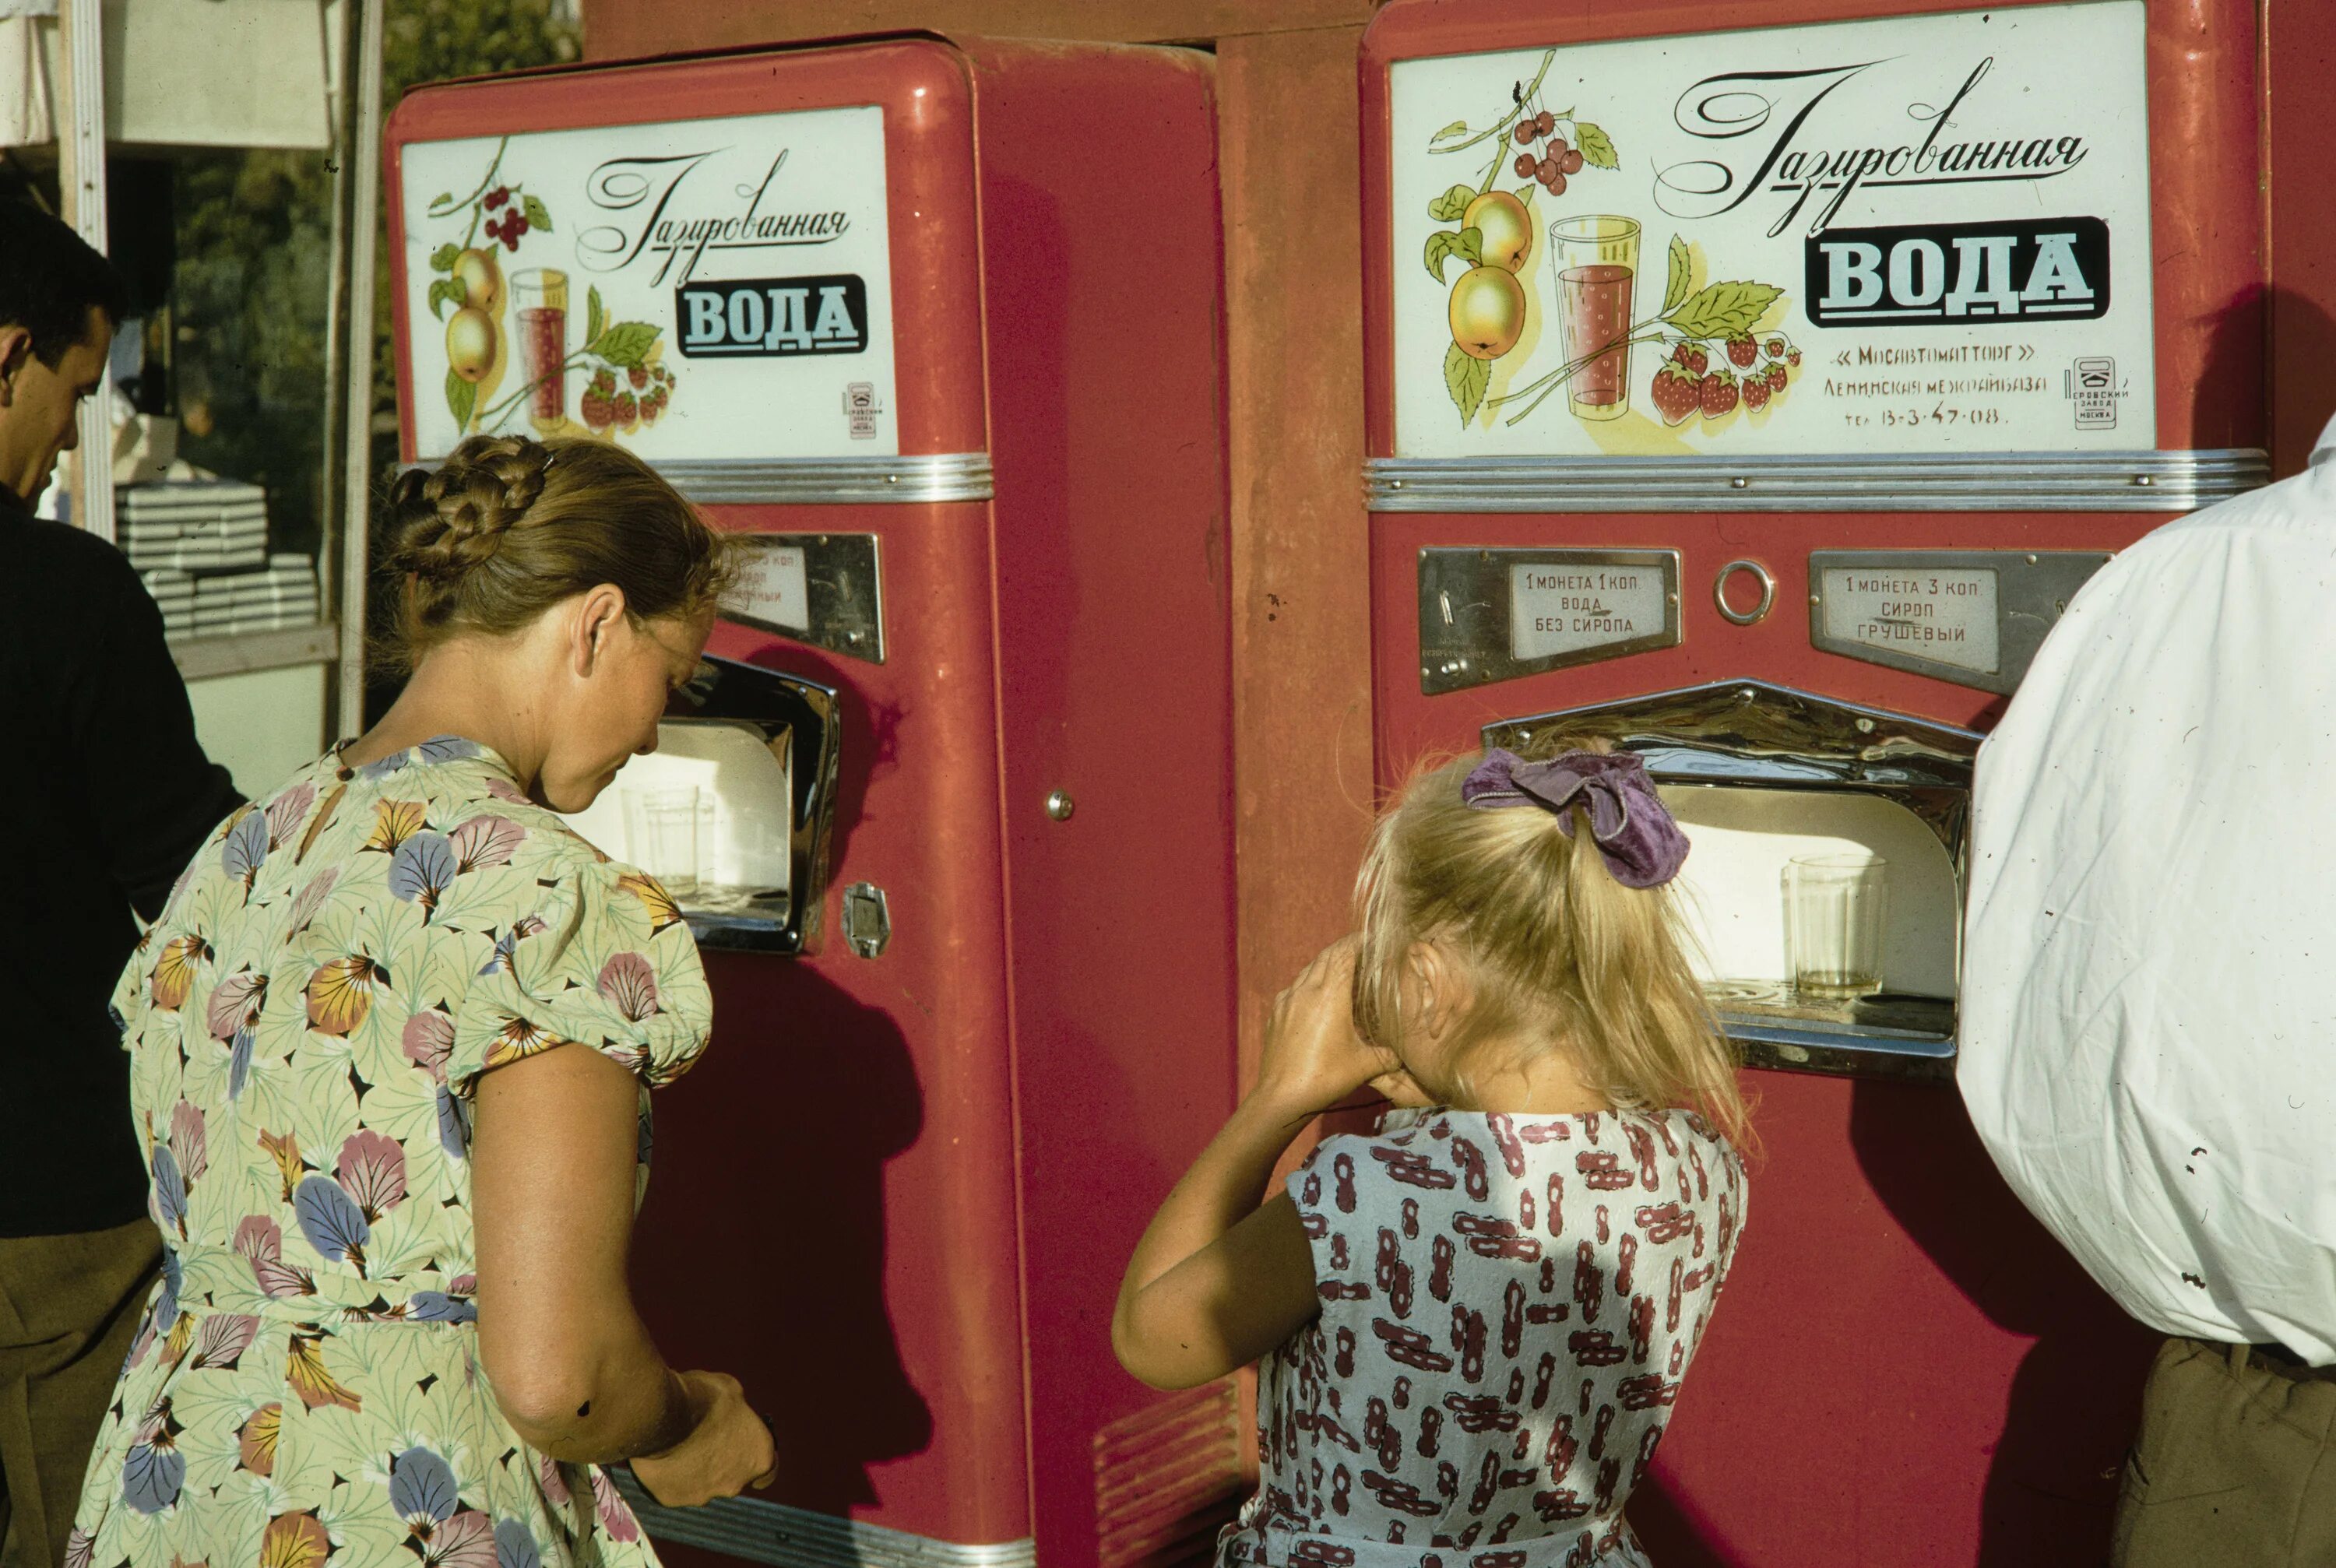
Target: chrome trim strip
{"x":1993,"y":481}
{"x":761,"y":1531}
{"x":823,"y":481}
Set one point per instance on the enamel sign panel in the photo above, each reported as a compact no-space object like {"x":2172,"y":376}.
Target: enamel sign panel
{"x":1919,"y":234}
{"x":697,"y":289}
{"x":1973,"y":616}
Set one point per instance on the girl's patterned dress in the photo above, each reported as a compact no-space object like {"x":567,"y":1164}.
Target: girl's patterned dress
{"x":306,"y":1025}
{"x":1509,"y":1304}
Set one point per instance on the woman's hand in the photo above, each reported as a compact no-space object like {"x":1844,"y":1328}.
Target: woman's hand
{"x":728,"y":1449}
{"x":1313,"y":1059}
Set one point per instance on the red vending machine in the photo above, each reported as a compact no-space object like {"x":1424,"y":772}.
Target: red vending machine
{"x":1754,"y":383}
{"x":934,"y":326}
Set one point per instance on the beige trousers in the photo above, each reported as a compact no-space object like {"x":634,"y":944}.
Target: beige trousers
{"x":2236,"y":1466}
{"x":68,"y":1309}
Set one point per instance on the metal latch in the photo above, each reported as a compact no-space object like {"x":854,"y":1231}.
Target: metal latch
{"x":867,"y":920}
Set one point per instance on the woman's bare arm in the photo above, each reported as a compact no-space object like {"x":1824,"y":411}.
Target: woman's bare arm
{"x":552,"y":1173}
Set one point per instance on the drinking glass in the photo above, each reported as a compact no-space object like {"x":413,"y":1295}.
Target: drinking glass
{"x":1597,"y":262}
{"x":662,"y":826}
{"x":1835,"y":910}
{"x":541,"y":294}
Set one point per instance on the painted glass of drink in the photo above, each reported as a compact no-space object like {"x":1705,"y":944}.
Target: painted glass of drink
{"x":1597,"y":262}
{"x":541,"y":294}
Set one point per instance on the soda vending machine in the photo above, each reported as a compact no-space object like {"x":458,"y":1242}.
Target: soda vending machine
{"x":1753,"y":384}
{"x":933,"y":326}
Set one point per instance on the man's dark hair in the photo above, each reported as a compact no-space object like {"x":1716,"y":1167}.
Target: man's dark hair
{"x":49,"y":279}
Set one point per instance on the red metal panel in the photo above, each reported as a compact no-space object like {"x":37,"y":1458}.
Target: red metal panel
{"x":926,"y":98}
{"x":1102,"y":278}
{"x":2299,"y":149}
{"x":833,"y":1214}
{"x":1906,"y":1370}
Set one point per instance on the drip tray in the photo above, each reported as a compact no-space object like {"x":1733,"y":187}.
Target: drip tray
{"x":749,"y":919}
{"x":1890,"y":1034}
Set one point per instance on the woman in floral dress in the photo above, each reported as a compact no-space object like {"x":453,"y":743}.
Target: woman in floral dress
{"x":392,"y":1047}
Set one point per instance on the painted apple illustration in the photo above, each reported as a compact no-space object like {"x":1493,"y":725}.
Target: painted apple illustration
{"x":482,"y":280}
{"x":470,"y":343}
{"x":1488,"y":312}
{"x":1506,"y":226}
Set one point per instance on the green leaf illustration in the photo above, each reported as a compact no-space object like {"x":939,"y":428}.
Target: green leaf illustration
{"x":1525,"y":193}
{"x":624,"y":344}
{"x":1723,"y":308}
{"x":539,"y":217}
{"x":1449,"y":207}
{"x":447,"y":289}
{"x":1466,"y":377}
{"x":440,"y":199}
{"x":1468,"y":245}
{"x":1597,"y":147}
{"x":462,"y":396}
{"x":1439,"y":251}
{"x":1675,"y":289}
{"x":593,"y":320}
{"x":442,"y":259}
{"x":1457,"y":128}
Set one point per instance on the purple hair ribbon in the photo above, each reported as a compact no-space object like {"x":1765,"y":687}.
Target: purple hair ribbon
{"x":1637,"y":837}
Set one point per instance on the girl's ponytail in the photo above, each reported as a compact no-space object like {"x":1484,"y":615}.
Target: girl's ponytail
{"x":1561,"y":949}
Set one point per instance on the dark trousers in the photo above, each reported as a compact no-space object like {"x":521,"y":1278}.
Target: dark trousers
{"x":68,"y":1309}
{"x":2236,"y":1466}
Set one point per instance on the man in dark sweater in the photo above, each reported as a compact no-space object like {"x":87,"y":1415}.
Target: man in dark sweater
{"x":105,"y":794}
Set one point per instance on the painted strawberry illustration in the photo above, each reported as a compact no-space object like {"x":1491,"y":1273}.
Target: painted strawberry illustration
{"x":598,"y":404}
{"x":1741,"y":350}
{"x":1775,"y":378}
{"x":1756,"y":393}
{"x":1676,"y":395}
{"x":628,"y":410}
{"x":1775,"y":347}
{"x":1793,"y":358}
{"x":1692,"y":357}
{"x":1716,"y":394}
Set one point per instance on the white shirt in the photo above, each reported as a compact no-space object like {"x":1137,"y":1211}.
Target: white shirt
{"x":2148,"y":1039}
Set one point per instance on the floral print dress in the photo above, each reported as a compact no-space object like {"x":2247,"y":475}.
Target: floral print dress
{"x":307,"y":1023}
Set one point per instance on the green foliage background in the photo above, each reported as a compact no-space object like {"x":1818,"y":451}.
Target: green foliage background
{"x":253,"y":275}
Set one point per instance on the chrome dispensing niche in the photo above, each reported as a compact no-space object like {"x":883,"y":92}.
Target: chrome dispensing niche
{"x":1762,"y":775}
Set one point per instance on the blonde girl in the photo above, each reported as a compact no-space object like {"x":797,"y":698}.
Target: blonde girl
{"x":1475,"y":1320}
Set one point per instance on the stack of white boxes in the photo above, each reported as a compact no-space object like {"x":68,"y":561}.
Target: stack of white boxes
{"x":200,"y":525}
{"x":201,"y":546}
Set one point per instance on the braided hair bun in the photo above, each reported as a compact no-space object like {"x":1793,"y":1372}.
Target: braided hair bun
{"x":507,"y":527}
{"x":450,"y":520}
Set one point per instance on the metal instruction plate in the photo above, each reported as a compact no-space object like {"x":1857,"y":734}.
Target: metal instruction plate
{"x":820,"y":589}
{"x":1972,"y":617}
{"x":1493,"y":615}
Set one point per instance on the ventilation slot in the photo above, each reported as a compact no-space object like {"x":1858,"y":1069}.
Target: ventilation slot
{"x":1168,"y":1478}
